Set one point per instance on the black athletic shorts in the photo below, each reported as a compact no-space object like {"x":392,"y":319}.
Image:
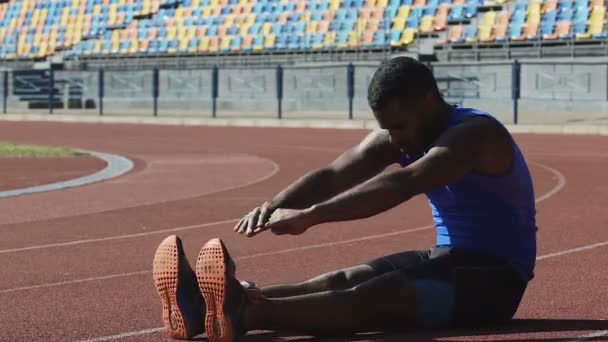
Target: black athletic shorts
{"x":458,"y":288}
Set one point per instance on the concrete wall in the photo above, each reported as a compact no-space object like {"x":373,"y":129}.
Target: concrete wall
{"x":551,"y":91}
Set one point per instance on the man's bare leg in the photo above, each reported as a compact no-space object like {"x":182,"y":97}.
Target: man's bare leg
{"x":333,"y":281}
{"x":348,"y":277}
{"x":380,"y":303}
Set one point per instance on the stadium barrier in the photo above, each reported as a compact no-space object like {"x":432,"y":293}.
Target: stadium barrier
{"x":519,"y":91}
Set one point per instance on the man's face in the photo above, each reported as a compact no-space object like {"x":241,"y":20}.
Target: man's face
{"x":405,"y":124}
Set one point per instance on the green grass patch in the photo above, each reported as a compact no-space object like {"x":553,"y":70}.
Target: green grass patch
{"x":22,"y":151}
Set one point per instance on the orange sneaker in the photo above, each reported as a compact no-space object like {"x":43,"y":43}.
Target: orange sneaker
{"x":223,"y":293}
{"x":183,"y":305}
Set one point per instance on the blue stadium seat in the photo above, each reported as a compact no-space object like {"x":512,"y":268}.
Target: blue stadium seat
{"x":457,"y":12}
{"x":233,"y":30}
{"x":470,"y":32}
{"x":281,"y":42}
{"x":306,"y":41}
{"x":236,"y":42}
{"x":293,"y":42}
{"x":429,"y":10}
{"x":471,"y":8}
{"x":515,"y":29}
{"x":565,"y":13}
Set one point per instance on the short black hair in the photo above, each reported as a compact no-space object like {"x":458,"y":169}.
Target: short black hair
{"x":402,"y":77}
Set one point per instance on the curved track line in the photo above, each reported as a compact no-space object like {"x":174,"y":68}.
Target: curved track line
{"x":561,"y":181}
{"x":115,"y":166}
{"x":275,"y":169}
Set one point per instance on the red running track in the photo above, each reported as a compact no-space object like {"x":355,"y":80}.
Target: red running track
{"x":76,"y":264}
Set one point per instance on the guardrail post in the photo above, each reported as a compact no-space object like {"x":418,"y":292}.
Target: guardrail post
{"x":100,"y":90}
{"x":516,"y":80}
{"x":155,"y":90}
{"x":214,"y":89}
{"x":350,"y":79}
{"x":279,"y":91}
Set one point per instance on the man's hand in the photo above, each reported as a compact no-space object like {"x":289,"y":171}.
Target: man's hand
{"x":253,"y":222}
{"x":290,"y":221}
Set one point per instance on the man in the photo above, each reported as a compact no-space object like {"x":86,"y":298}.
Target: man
{"x":482,"y":199}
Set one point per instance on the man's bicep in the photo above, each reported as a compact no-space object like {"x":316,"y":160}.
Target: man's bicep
{"x":454,"y":154}
{"x":365,"y":160}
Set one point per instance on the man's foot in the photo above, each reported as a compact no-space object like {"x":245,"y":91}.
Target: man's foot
{"x":183,"y":306}
{"x":223,"y":293}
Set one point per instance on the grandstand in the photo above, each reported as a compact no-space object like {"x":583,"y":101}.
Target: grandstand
{"x":106,"y":29}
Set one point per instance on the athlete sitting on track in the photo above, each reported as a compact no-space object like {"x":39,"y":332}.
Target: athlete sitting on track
{"x":481,"y":195}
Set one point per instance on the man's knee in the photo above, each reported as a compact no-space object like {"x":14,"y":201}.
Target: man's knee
{"x":349,"y":277}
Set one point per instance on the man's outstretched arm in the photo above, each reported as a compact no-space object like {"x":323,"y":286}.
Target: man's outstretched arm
{"x":455,"y":153}
{"x":360,"y":163}
{"x":476,"y":144}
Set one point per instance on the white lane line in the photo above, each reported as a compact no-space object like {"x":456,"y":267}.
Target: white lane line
{"x":599,"y":333}
{"x":111,"y":276}
{"x":573,"y":250}
{"x":546,"y":256}
{"x":115,"y":166}
{"x":561,"y":182}
{"x":252,"y":256}
{"x":117,"y":237}
{"x":123,"y":335}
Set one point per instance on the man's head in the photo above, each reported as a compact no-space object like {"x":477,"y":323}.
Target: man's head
{"x":404,"y":97}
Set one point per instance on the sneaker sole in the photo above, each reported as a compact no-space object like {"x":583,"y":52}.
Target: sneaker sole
{"x":165,"y":271}
{"x":211,"y":273}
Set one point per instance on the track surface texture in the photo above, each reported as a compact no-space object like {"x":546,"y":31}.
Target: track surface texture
{"x":76,"y":263}
{"x":31,"y":171}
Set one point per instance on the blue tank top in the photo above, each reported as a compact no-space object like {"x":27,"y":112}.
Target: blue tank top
{"x":493,"y":214}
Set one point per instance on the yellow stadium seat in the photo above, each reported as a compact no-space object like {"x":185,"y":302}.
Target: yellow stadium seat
{"x":270,"y":41}
{"x":329,"y":40}
{"x":426,"y":24}
{"x":597,"y":14}
{"x":97,"y":46}
{"x":203,"y":44}
{"x":266,"y":29}
{"x":408,"y":36}
{"x":398,"y":24}
{"x":42,"y":50}
{"x":353,"y":39}
{"x":404,"y":12}
{"x":225,"y":42}
{"x":181,"y":32}
{"x":382,"y":3}
{"x":360,"y":25}
{"x":311,"y":27}
{"x":183,"y":43}
{"x":206,"y":11}
{"x":171,"y":32}
{"x":244,"y":29}
{"x":229,"y":20}
{"x":334,"y":4}
{"x":214,"y":3}
{"x":196,"y":3}
{"x":489,"y":18}
{"x":191,"y":32}
{"x":250,"y":19}
{"x":306,"y":16}
{"x":484,"y":32}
